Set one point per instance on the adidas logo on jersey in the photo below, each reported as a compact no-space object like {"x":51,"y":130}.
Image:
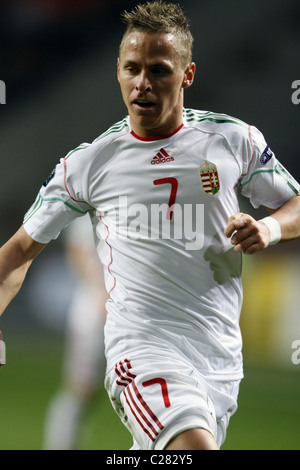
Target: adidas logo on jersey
{"x":162,"y":157}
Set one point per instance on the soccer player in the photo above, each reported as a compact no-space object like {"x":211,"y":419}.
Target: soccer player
{"x":84,"y":361}
{"x":161,"y":190}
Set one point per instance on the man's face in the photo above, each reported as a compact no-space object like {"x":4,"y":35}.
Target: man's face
{"x":152,"y":79}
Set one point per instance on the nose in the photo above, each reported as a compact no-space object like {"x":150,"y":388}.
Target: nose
{"x":143,"y":82}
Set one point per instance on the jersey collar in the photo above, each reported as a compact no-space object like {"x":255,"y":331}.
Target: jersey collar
{"x":143,"y":139}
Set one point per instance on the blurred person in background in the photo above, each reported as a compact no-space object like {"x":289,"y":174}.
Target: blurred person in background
{"x":84,"y":361}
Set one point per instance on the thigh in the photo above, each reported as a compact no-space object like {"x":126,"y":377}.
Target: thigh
{"x":193,"y":439}
{"x":157,"y":401}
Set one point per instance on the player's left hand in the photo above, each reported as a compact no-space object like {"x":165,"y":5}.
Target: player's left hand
{"x":2,"y":351}
{"x":247,"y":234}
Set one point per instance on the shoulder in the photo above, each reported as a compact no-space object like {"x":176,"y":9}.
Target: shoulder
{"x":116,"y":131}
{"x":101,"y":148}
{"x":236,"y":135}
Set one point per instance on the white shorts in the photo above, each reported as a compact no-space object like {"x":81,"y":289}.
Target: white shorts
{"x":158,"y":399}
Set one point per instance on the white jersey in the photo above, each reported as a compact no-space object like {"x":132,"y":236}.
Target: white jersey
{"x":159,"y":209}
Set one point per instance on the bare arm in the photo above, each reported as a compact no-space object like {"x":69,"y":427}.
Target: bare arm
{"x":289,"y":218}
{"x":16,"y":257}
{"x":251,"y":236}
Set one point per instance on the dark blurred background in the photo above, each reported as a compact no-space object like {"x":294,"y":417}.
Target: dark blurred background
{"x":58,"y":60}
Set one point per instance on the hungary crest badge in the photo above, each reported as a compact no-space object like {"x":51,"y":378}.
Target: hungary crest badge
{"x":209,"y":178}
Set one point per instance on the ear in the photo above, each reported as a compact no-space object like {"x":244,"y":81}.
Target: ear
{"x":189,"y":75}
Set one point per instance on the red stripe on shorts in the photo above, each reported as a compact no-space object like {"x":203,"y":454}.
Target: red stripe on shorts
{"x":146,"y":407}
{"x":137,"y":418}
{"x":145,"y":419}
{"x":124,"y":381}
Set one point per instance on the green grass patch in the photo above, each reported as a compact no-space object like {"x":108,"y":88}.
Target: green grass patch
{"x":268,"y":417}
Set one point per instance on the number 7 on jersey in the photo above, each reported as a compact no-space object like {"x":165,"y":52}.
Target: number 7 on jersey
{"x":174,"y":187}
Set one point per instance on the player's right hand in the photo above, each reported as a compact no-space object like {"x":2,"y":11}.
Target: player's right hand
{"x":247,"y":234}
{"x":2,"y":351}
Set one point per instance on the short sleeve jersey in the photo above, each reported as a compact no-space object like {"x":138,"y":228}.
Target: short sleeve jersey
{"x":159,"y":209}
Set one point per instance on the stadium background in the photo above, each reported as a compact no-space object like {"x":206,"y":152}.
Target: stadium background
{"x":58,"y":60}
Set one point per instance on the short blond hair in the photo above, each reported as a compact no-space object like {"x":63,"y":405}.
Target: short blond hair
{"x":159,"y":17}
